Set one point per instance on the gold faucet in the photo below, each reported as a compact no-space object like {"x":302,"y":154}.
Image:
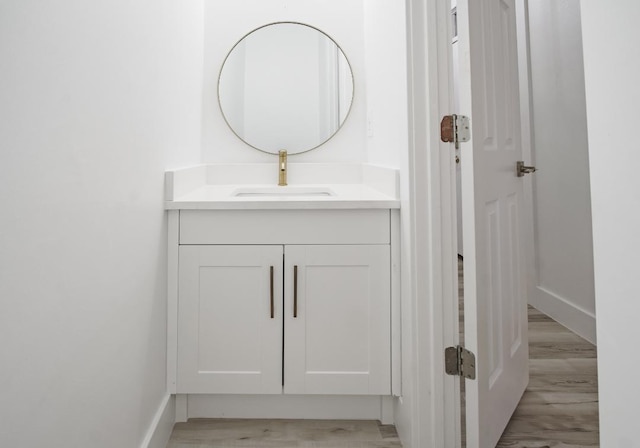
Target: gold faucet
{"x":282,"y":167}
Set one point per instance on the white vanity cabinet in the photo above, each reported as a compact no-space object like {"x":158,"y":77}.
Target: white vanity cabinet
{"x":337,"y":320}
{"x":284,"y":302}
{"x":229,"y":339}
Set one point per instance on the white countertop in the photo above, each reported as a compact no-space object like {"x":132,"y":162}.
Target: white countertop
{"x":217,"y":197}
{"x":348,"y":187}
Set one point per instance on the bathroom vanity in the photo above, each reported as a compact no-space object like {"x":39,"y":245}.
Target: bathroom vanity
{"x":289,"y":291}
{"x":284,"y":277}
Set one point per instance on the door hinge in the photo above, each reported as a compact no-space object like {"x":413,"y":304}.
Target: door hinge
{"x":459,"y":361}
{"x":455,"y":129}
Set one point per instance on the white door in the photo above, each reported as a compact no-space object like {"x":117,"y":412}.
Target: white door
{"x":230,"y":320}
{"x":337,"y":320}
{"x":495,"y":305}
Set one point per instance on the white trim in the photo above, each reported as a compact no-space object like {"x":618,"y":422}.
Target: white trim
{"x":386,"y":410}
{"x":396,"y":306}
{"x":432,"y":186}
{"x":526,"y":132}
{"x":576,"y":319}
{"x":409,"y":431}
{"x":327,"y":407}
{"x":161,"y":426}
{"x":173,"y":220}
{"x":182,"y":407}
{"x":447,"y":236}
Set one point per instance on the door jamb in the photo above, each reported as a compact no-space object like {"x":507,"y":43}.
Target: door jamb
{"x":526,"y":132}
{"x":433,"y":209}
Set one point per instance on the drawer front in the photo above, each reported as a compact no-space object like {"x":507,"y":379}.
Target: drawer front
{"x":285,"y":226}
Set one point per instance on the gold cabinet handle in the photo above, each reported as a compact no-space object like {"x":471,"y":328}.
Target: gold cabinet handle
{"x":295,"y":291}
{"x":271,"y":288}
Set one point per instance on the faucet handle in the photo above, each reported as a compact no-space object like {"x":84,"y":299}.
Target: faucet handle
{"x":282,"y":167}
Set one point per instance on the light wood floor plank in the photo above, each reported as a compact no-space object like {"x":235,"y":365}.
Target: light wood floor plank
{"x":559,"y":409}
{"x":208,"y":433}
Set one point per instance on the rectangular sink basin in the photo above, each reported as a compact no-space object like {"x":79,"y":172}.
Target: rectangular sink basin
{"x":283,"y":192}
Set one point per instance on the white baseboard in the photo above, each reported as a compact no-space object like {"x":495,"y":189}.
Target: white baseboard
{"x":291,"y":407}
{"x":162,"y":424}
{"x":576,"y":319}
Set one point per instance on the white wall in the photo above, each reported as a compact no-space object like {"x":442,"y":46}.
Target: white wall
{"x":387,"y":142}
{"x":612,"y":69}
{"x":386,"y":81}
{"x":97,"y":99}
{"x":561,"y":198}
{"x":372,"y":35}
{"x":228,"y":22}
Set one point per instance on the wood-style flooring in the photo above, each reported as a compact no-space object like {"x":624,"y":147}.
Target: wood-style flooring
{"x":206,"y":433}
{"x":558,"y":410}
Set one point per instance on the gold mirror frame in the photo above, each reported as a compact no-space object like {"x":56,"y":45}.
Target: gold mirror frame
{"x":322,"y":139}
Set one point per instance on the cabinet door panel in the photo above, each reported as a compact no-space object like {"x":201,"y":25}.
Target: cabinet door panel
{"x":227,"y":341}
{"x":339,"y":343}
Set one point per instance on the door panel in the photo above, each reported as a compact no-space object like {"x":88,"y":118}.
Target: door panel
{"x":339,"y":343}
{"x":227,"y":341}
{"x":495,"y":304}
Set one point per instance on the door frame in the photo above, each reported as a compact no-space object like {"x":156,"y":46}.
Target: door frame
{"x":432,"y":201}
{"x":432,"y":194}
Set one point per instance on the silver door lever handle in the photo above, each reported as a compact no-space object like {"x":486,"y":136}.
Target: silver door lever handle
{"x":521,"y":169}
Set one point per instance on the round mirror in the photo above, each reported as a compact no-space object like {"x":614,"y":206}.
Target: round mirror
{"x":285,"y":86}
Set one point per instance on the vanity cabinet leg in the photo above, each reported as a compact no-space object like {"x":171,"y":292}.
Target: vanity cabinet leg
{"x":181,"y":408}
{"x":386,"y":410}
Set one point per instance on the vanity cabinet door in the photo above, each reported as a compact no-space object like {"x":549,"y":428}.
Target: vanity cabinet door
{"x":230,"y":319}
{"x":337,"y":320}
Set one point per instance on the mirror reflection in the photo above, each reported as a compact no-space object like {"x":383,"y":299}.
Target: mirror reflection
{"x":285,"y":86}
